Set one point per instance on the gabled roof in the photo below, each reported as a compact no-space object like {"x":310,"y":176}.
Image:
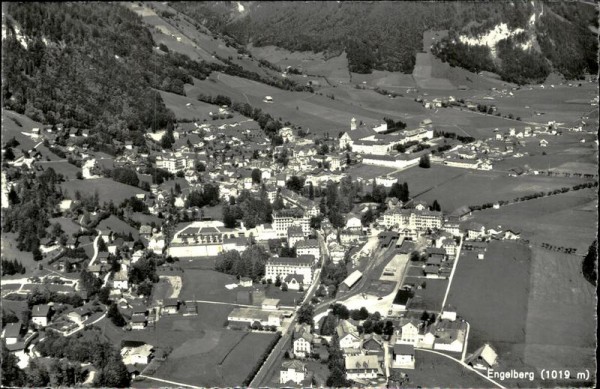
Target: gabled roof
{"x":293,"y":364}
{"x":298,"y":277}
{"x":12,"y":330}
{"x":485,"y":353}
{"x":404,"y":349}
{"x":40,"y":310}
{"x":360,"y":362}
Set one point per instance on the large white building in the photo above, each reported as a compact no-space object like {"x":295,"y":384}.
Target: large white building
{"x":413,"y":219}
{"x":309,"y":247}
{"x":174,"y":162}
{"x":285,"y":218}
{"x":283,"y":266}
{"x":202,"y":239}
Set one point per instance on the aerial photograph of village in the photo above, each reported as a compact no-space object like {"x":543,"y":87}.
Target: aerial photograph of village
{"x":336,"y":194}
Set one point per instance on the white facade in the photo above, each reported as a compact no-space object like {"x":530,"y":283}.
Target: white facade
{"x":294,"y":373}
{"x":283,"y":267}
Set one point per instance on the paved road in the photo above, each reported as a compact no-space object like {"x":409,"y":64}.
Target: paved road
{"x":455,"y":265}
{"x":263,"y":372}
{"x":169,"y":382}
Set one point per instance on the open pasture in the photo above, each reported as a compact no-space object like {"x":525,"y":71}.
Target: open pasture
{"x":367,"y":172}
{"x":107,"y":189}
{"x":480,"y":187}
{"x":568,"y":220}
{"x":208,"y":285}
{"x":63,"y":167}
{"x":561,"y":318}
{"x":14,"y":124}
{"x":436,"y":371}
{"x":67,"y":225}
{"x":196,"y":110}
{"x":430,"y":297}
{"x":492,"y":294}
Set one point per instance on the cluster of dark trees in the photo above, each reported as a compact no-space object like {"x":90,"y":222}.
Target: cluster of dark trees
{"x":537,"y":195}
{"x":57,"y":373}
{"x":143,"y":273}
{"x":251,"y":263}
{"x":12,"y":267}
{"x":88,"y":345}
{"x":372,"y":322}
{"x":32,"y":204}
{"x":125,"y":175}
{"x":336,"y":365}
{"x":97,"y":70}
{"x":452,"y":135}
{"x":252,"y":210}
{"x":589,"y":265}
{"x":208,"y":196}
{"x":393,"y":126}
{"x":332,"y":275}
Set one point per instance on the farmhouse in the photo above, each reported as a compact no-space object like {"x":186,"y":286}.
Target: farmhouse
{"x":348,"y":335}
{"x":403,"y":356}
{"x":170,"y":306}
{"x":450,"y":336}
{"x":483,"y":358}
{"x":303,"y":341}
{"x":293,"y":372}
{"x":12,"y":333}
{"x":133,"y":352}
{"x":40,"y":314}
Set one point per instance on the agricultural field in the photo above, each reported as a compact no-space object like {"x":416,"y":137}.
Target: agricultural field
{"x":367,"y":172}
{"x":434,"y":370}
{"x":116,"y":225}
{"x":203,"y":351}
{"x":107,"y":189}
{"x":10,"y":251}
{"x":568,"y":220}
{"x":495,"y":301}
{"x":63,"y":167}
{"x":477,"y":187}
{"x":68,"y":225}
{"x":561,"y":320}
{"x":208,"y":285}
{"x":14,"y":124}
{"x":430,"y":297}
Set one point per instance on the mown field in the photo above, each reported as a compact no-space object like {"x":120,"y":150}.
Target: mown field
{"x":492,"y":294}
{"x":107,"y":189}
{"x":433,"y":371}
{"x":208,"y":285}
{"x":480,"y":187}
{"x":568,"y":220}
{"x":203,"y":352}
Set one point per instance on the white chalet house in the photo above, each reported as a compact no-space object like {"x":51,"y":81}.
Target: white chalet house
{"x":294,"y":371}
{"x":348,"y":335}
{"x":303,"y":342}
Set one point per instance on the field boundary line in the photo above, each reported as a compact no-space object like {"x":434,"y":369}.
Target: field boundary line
{"x":464,"y":365}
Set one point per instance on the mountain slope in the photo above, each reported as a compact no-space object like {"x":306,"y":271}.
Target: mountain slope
{"x":88,"y":65}
{"x":388,"y":35}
